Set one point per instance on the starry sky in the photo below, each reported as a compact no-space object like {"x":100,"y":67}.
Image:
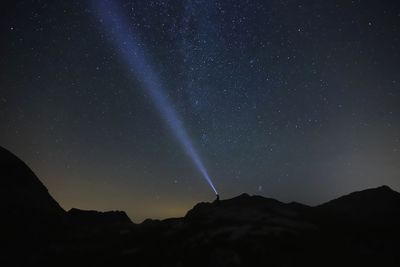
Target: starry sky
{"x":295,"y":100}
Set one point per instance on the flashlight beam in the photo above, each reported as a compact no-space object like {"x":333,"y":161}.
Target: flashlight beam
{"x":130,"y":48}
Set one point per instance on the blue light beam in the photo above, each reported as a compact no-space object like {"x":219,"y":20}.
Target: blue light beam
{"x":130,"y":48}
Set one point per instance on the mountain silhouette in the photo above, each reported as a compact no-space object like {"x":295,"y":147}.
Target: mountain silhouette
{"x":372,"y":206}
{"x":243,"y":207}
{"x":359,"y":229}
{"x":257,"y":213}
{"x":24,"y":199}
{"x":92,"y":218}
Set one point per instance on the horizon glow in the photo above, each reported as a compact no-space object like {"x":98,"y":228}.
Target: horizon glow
{"x":129,"y":46}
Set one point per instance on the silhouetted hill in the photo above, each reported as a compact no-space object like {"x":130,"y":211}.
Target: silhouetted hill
{"x":91,"y":218}
{"x":24,"y":199}
{"x":249,"y":210}
{"x":379,"y":206}
{"x":30,"y":218}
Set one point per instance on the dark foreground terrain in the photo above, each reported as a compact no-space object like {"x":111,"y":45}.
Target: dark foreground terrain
{"x":359,"y":229}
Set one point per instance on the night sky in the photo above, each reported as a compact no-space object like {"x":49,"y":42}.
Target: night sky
{"x":295,"y":100}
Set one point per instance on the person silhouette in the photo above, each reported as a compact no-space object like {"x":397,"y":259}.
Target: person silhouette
{"x":217,"y":200}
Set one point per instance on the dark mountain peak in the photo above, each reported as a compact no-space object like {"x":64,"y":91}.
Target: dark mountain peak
{"x":97,"y":218}
{"x":24,"y":193}
{"x":29,"y":213}
{"x":16,"y":174}
{"x":242,"y":208}
{"x":383,"y":188}
{"x":372,"y":205}
{"x":246,"y":198}
{"x":243,"y":196}
{"x":375,"y":196}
